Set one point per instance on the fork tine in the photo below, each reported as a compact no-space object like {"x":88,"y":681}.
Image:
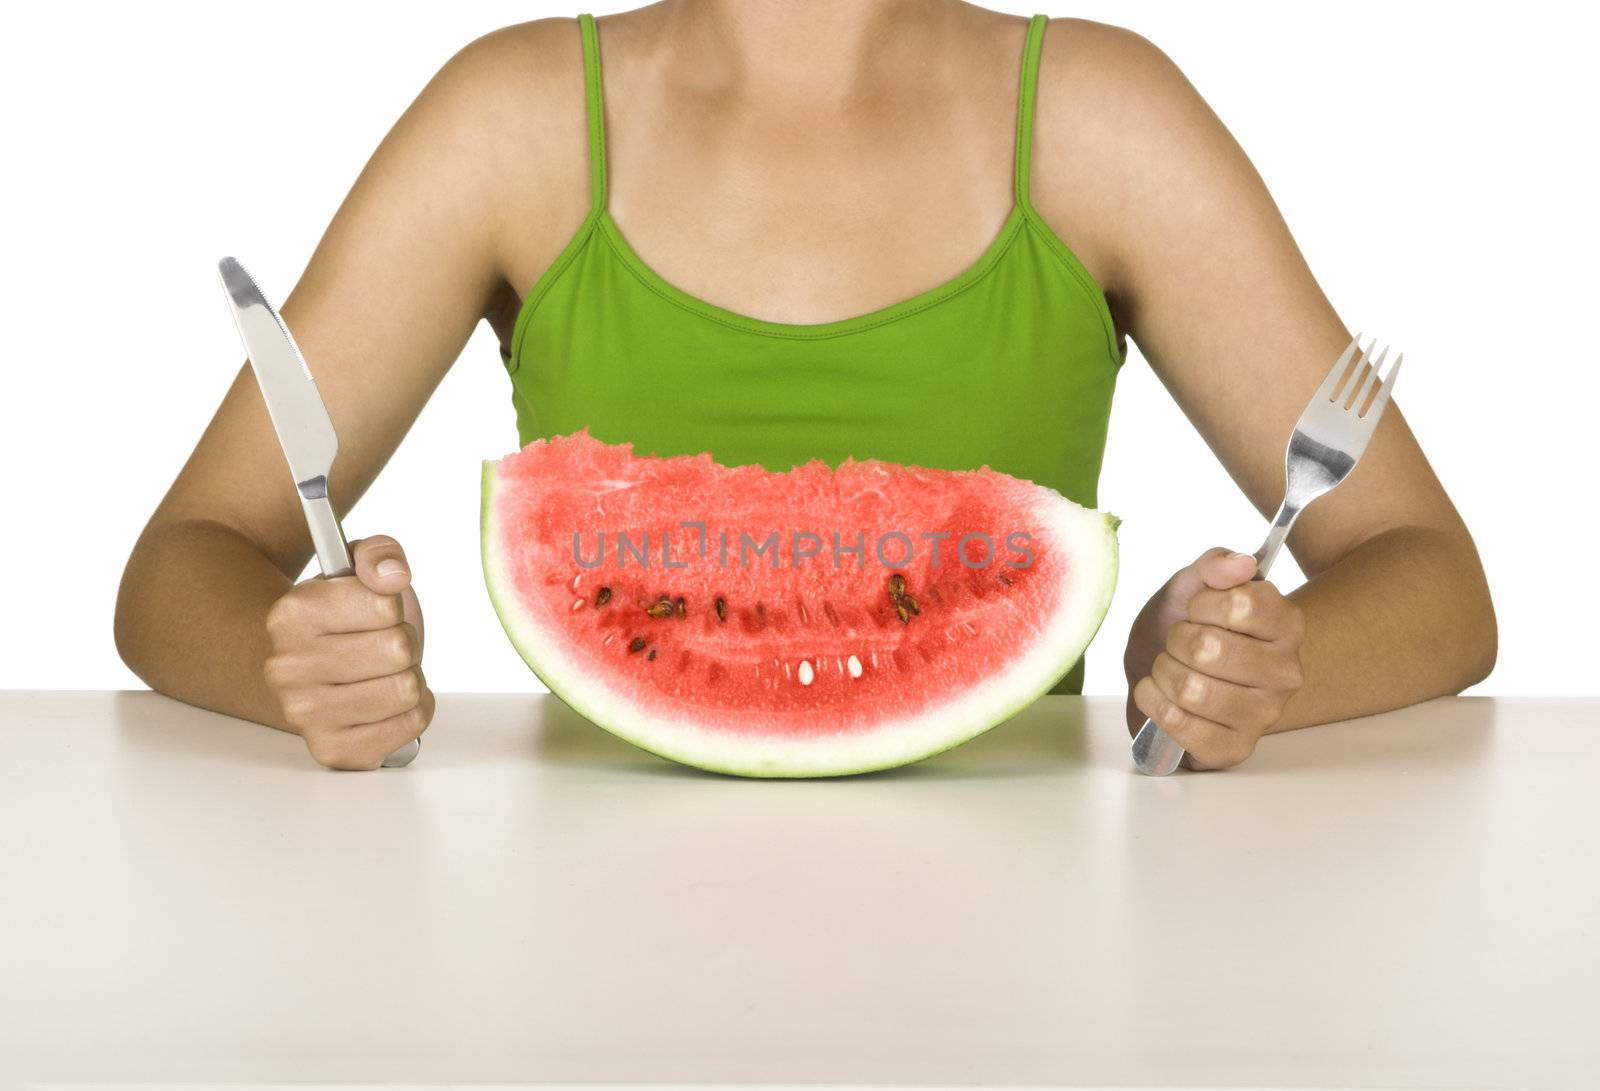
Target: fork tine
{"x":1358,"y":370}
{"x":1330,"y":385}
{"x":1368,"y":382}
{"x":1388,"y":384}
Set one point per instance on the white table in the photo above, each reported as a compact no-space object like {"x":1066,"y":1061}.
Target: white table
{"x":1408,"y":900}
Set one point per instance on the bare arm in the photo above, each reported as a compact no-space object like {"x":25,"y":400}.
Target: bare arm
{"x":405,"y":270}
{"x":1206,"y":278}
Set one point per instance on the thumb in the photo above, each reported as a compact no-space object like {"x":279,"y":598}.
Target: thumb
{"x":1217,"y":568}
{"x":381,"y":564}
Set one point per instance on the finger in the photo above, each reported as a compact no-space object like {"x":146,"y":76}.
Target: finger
{"x":1241,"y":708}
{"x":1234,"y":657}
{"x":1210,"y":745}
{"x":1256,"y":608}
{"x":365,"y":746}
{"x":411,"y":611}
{"x":1186,"y":581}
{"x":348,"y":657}
{"x":381,"y":564}
{"x":328,"y":706}
{"x":1222,"y":568}
{"x":340,"y":604}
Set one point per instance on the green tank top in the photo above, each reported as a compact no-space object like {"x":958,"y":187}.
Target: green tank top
{"x":1011,"y":363}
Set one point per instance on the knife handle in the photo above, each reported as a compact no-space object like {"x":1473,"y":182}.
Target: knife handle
{"x":333,"y":556}
{"x":333,"y":553}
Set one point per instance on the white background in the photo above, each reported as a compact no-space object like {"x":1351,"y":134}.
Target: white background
{"x":1434,"y":162}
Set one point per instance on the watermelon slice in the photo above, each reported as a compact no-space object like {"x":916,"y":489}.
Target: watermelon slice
{"x":809,"y":623}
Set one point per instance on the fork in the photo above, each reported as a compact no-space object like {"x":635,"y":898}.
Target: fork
{"x":1328,"y":439}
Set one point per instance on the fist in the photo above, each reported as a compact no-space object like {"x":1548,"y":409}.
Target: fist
{"x":1213,"y":659}
{"x":346,"y":659}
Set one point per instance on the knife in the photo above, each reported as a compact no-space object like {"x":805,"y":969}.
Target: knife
{"x":305,"y":431}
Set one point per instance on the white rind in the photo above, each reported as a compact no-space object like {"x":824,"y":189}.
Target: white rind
{"x":1091,"y":541}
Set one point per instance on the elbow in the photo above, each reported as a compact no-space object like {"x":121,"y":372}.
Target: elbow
{"x":126,"y":632}
{"x":122,"y":624}
{"x":1481,"y":631}
{"x":1484,"y":647}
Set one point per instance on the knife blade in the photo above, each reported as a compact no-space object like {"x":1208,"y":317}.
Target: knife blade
{"x":300,"y":418}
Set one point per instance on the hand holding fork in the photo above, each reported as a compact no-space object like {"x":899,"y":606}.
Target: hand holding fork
{"x":1327,"y":441}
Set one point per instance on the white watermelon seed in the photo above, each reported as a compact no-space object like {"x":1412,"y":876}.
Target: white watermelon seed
{"x":855,"y":667}
{"x":806,"y":673}
{"x":577,"y":604}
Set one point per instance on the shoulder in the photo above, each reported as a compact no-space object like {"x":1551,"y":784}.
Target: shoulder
{"x":501,"y":125}
{"x":511,"y":83}
{"x":1119,"y":129}
{"x":1098,"y":66}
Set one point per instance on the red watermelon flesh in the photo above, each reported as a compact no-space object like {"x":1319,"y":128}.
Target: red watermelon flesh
{"x":788,"y":624}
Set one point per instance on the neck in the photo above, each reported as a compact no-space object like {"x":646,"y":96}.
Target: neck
{"x":816,"y":51}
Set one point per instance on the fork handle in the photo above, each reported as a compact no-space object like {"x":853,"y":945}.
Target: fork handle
{"x":1275,"y":538}
{"x":1155,"y":753}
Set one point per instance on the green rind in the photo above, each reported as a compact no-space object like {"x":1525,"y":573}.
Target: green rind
{"x":489,"y":484}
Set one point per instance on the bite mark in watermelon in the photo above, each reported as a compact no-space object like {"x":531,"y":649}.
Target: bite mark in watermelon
{"x":826,"y":664}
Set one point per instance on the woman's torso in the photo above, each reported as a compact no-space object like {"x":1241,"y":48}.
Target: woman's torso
{"x":1006,"y":355}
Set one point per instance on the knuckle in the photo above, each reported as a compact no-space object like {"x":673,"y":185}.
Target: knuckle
{"x":1181,"y":639}
{"x":276,"y":670}
{"x":1147,"y":698}
{"x":390,"y":609}
{"x":1237,"y":751}
{"x":1206,"y":649}
{"x":1294,"y":673}
{"x":1194,"y":689}
{"x":408,"y":688}
{"x":323,"y":751}
{"x":1268,"y":711}
{"x":1194,"y":611}
{"x":413,"y":720}
{"x":1171,"y":716}
{"x":400,"y":648}
{"x":1241,"y":606}
{"x":340,"y":749}
{"x":299,"y":710}
{"x":281,"y":617}
{"x":377,"y":541}
{"x":1221,"y":755}
{"x":337,"y":755}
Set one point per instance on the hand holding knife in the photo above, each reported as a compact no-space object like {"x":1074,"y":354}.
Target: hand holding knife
{"x":301,"y":421}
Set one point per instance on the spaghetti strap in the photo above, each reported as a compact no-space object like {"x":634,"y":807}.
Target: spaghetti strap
{"x":596,"y":112}
{"x":1025,"y":97}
